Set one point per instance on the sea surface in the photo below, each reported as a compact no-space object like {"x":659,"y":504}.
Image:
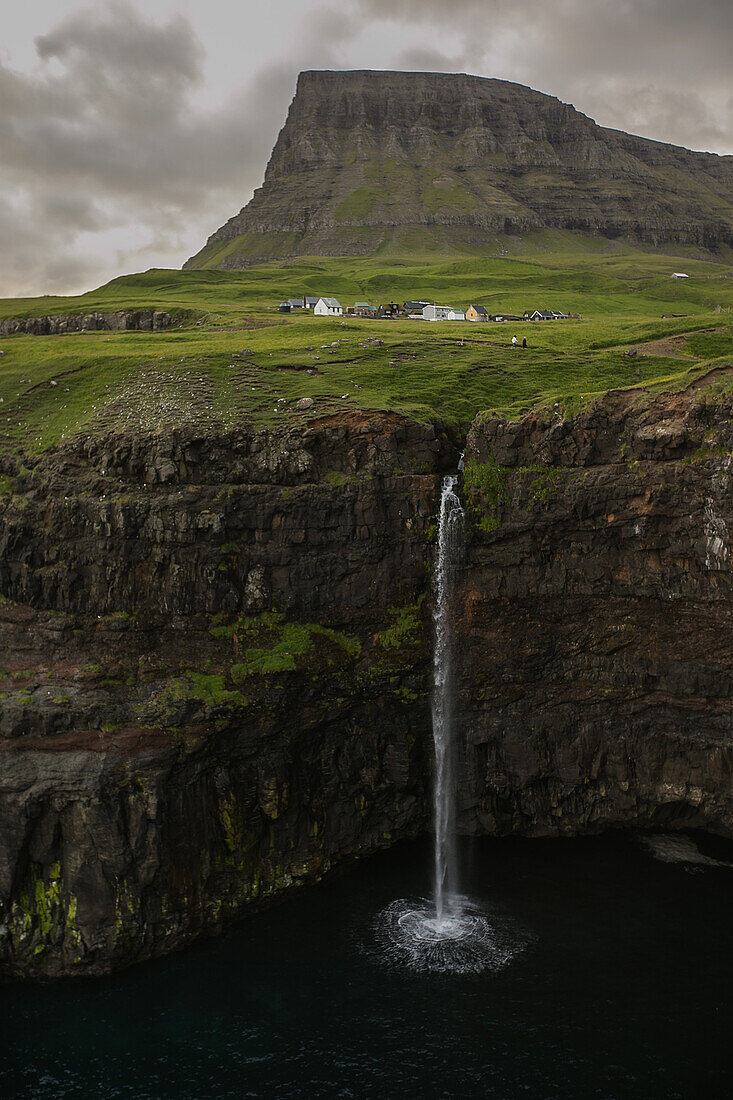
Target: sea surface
{"x":617,"y":984}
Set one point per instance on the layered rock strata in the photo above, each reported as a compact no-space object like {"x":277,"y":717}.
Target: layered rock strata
{"x":598,"y":619}
{"x":213,"y":677}
{"x":216,"y":657}
{"x":368,"y":160}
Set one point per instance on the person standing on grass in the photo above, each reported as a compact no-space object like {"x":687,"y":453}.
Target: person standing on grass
{"x":524,"y":341}
{"x":514,"y":341}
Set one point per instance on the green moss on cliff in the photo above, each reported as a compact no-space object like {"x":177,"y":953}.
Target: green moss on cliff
{"x":207,"y":688}
{"x":542,"y":483}
{"x":38,"y":913}
{"x":485,"y":488}
{"x":405,"y":626}
{"x":358,"y":204}
{"x":280,"y":644}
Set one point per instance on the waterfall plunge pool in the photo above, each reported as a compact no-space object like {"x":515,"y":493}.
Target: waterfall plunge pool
{"x":617,"y":985}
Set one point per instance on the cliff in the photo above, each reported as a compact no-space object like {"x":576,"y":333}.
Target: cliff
{"x":367,"y":160}
{"x":216,"y":668}
{"x":598,"y":663}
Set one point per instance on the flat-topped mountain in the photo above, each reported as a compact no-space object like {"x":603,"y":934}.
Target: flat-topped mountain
{"x":368,"y":160}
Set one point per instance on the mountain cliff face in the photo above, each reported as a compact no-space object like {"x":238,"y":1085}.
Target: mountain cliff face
{"x":368,"y":159}
{"x":217,"y":657}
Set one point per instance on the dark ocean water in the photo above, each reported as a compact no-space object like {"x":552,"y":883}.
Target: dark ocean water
{"x":621,"y":988}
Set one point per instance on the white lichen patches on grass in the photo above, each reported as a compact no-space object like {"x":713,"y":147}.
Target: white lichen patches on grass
{"x":156,"y":399}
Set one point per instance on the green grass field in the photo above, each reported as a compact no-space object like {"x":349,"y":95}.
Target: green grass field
{"x":200,"y":373}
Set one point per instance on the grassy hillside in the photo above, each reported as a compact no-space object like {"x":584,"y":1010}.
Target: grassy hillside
{"x":201,"y":373}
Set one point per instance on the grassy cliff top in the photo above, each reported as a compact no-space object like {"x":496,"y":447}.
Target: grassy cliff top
{"x":232,"y":360}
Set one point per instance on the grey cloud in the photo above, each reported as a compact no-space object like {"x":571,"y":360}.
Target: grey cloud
{"x":660,"y":66}
{"x":428,"y":60}
{"x":110,"y":155}
{"x":107,"y":136}
{"x":114,"y":114}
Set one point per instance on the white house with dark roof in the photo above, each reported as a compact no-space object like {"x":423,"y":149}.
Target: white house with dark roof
{"x":328,"y":307}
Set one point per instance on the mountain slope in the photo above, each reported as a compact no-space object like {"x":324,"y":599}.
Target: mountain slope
{"x":368,"y":160}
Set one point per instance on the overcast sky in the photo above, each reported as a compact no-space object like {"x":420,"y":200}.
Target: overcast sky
{"x":129,"y":131}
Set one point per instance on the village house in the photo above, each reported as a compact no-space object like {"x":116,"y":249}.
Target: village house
{"x":457,"y":315}
{"x":387,"y":310}
{"x":436,"y":313}
{"x":328,"y":307}
{"x":414,"y":307}
{"x":303,"y":302}
{"x":476,"y":313}
{"x":361,"y":309}
{"x":505,"y":317}
{"x":543,"y":315}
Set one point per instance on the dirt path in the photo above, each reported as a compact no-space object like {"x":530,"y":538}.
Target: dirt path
{"x":707,"y":379}
{"x":669,"y":346}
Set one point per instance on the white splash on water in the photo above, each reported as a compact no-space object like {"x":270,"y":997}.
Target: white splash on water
{"x":463,"y":941}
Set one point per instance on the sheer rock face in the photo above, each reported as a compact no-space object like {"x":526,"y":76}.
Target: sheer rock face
{"x":159,"y":777}
{"x":140,"y":320}
{"x":368,"y":158}
{"x":598,"y":616}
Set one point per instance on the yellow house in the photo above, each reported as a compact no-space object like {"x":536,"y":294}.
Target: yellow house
{"x":476,"y":313}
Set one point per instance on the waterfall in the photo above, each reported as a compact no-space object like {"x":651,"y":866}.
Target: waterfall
{"x":448,"y":933}
{"x":447,"y":566}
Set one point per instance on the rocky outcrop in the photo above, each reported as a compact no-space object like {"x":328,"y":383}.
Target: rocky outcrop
{"x":325,"y":522}
{"x":214,"y":677}
{"x":368,"y":159}
{"x":598,"y":605}
{"x":216,"y":656}
{"x":140,"y":320}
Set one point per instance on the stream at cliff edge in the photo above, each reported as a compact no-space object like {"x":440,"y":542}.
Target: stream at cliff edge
{"x":621,"y":989}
